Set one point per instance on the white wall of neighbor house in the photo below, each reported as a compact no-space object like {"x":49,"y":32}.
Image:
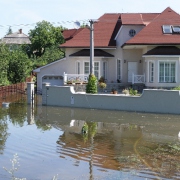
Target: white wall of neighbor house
{"x":155,"y":81}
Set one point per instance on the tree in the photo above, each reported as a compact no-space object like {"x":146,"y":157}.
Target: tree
{"x":4,"y":61}
{"x":51,"y":54}
{"x":92,"y":84}
{"x":19,"y":66}
{"x":9,"y":31}
{"x":44,"y":36}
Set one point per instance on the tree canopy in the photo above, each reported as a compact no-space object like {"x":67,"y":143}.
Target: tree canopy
{"x":43,"y":36}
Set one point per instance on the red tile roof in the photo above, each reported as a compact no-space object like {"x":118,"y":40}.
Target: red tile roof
{"x":103,"y":34}
{"x":106,"y":29}
{"x":153,"y":34}
{"x":70,"y":33}
{"x":132,"y":19}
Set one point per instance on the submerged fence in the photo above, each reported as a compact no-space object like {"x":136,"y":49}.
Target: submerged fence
{"x":6,"y":91}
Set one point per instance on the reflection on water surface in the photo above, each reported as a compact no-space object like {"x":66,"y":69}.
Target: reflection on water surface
{"x":117,"y":145}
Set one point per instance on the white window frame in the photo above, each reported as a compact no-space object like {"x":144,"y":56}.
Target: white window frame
{"x":175,"y":74}
{"x":105,"y":69}
{"x":151,"y":71}
{"x":88,"y":67}
{"x":98,"y":71}
{"x":78,"y":67}
{"x":167,"y":29}
{"x":119,"y":69}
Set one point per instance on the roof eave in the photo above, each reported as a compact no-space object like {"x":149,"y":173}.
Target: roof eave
{"x":142,"y":44}
{"x":87,"y":47}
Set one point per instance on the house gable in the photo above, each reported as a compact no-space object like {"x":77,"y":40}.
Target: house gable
{"x":153,"y":32}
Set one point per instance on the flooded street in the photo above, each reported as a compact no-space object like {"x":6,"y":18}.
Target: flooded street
{"x":116,"y":145}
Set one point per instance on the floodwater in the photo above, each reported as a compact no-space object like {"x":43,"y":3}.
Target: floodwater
{"x":118,"y":145}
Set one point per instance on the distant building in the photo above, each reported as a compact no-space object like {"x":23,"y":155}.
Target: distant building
{"x":16,"y":38}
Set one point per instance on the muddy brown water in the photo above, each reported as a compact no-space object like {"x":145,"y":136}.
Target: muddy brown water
{"x":117,"y":145}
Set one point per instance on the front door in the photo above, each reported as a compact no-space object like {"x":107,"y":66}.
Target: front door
{"x":132,"y":69}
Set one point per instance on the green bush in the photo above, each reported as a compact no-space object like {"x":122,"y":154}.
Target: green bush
{"x":176,"y":88}
{"x":91,"y":87}
{"x":133,"y":91}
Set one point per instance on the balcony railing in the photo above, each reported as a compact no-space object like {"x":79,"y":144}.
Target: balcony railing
{"x":75,"y":78}
{"x":138,"y":79}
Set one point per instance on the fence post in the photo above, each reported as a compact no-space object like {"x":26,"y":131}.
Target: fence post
{"x":30,"y":92}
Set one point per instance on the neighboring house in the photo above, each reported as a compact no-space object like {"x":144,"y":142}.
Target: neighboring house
{"x":129,"y":48}
{"x":16,"y":39}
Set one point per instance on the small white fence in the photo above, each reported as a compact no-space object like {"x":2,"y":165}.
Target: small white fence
{"x":75,"y":78}
{"x":138,"y":79}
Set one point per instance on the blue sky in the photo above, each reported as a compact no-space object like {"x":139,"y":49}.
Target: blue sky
{"x":16,"y":12}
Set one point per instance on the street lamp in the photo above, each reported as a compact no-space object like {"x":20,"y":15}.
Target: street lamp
{"x":91,"y":28}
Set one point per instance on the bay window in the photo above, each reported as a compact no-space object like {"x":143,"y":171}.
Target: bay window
{"x":167,"y":72}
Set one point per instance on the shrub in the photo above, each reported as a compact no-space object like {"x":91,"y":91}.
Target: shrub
{"x":176,"y":88}
{"x":91,"y":87}
{"x":125,"y":91}
{"x":133,"y":91}
{"x":101,"y":79}
{"x":102,"y":85}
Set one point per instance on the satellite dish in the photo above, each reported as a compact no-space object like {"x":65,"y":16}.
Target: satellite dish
{"x":77,"y":24}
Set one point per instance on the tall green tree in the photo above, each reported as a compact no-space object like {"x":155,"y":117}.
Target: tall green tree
{"x":19,"y":66}
{"x":4,"y":61}
{"x":43,"y":36}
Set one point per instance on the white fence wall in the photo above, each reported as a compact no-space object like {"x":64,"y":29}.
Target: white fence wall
{"x":154,"y":101}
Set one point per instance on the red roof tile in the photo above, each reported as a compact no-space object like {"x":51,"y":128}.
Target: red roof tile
{"x":132,"y":19}
{"x":70,"y":33}
{"x":103,"y":33}
{"x":153,"y":34}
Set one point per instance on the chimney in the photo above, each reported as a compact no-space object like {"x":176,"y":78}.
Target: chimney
{"x":20,"y":31}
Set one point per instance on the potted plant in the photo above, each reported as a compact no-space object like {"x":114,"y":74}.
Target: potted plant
{"x":125,"y":91}
{"x":69,"y":82}
{"x":114,"y":91}
{"x":102,"y":85}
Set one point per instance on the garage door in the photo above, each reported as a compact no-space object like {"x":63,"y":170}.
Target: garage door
{"x":53,"y":80}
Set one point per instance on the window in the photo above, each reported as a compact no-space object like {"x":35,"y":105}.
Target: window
{"x":96,"y":69}
{"x":176,"y":29}
{"x":105,"y":70}
{"x":132,"y":33}
{"x":167,"y":29}
{"x":151,"y":72}
{"x":77,"y":67}
{"x":87,"y":68}
{"x":118,"y":69}
{"x":167,"y":72}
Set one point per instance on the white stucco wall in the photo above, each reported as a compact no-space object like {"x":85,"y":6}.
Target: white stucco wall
{"x":56,"y":68}
{"x":155,"y":101}
{"x":123,"y":34}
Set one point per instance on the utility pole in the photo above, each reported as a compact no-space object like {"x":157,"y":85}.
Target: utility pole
{"x":91,"y":28}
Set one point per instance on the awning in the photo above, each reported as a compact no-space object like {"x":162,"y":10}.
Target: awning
{"x":86,"y":53}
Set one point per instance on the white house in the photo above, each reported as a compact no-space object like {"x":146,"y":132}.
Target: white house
{"x":129,"y":48}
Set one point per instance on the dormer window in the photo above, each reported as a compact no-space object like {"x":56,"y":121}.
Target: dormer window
{"x":132,"y":32}
{"x":167,"y":29}
{"x":170,"y":29}
{"x":176,"y":29}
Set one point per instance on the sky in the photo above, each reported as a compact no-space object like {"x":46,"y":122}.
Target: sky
{"x":24,"y":14}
